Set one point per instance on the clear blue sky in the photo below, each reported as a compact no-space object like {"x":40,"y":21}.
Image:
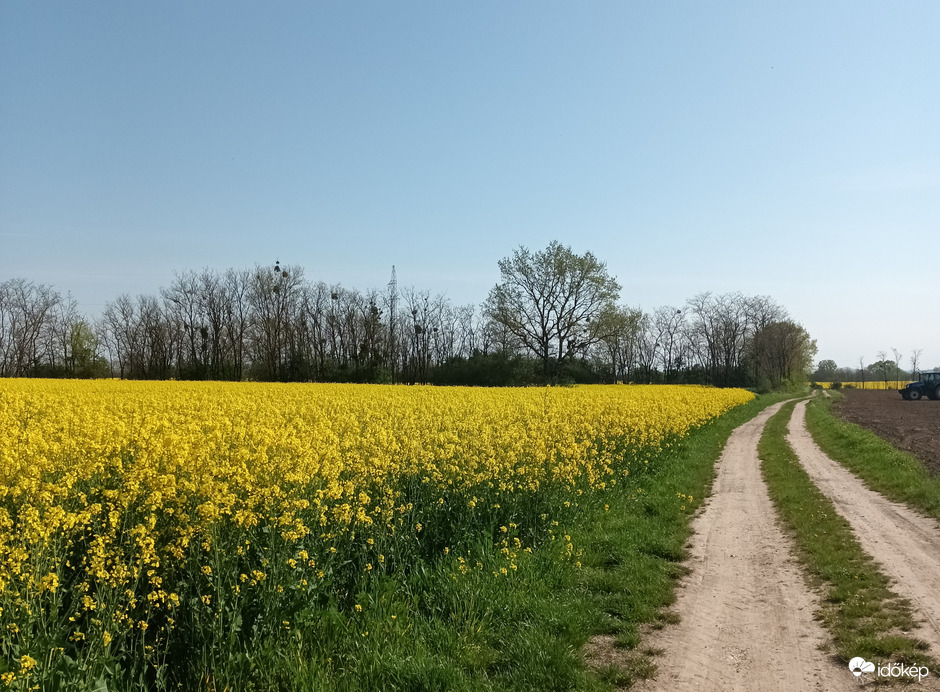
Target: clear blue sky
{"x":788,"y":149}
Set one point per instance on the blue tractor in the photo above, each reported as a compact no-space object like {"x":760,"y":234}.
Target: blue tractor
{"x":927,"y":386}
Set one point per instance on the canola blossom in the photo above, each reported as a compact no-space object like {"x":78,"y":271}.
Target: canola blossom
{"x":141,"y":518}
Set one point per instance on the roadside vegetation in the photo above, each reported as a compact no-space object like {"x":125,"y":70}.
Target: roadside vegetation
{"x":864,"y":616}
{"x":898,"y":475}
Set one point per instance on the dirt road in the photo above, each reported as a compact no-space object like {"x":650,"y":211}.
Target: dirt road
{"x":746,"y":612}
{"x":905,"y":544}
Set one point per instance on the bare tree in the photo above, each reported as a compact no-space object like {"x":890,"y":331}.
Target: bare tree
{"x":722,"y":324}
{"x":236,"y":285}
{"x":466,"y":328}
{"x":418,"y":334}
{"x":915,"y":362}
{"x":648,"y":348}
{"x":897,"y":367}
{"x":116,"y":330}
{"x":159,"y":340}
{"x":25,"y":312}
{"x":57,"y":335}
{"x":274,"y":296}
{"x":183,"y":309}
{"x":315,"y":303}
{"x":668,"y":322}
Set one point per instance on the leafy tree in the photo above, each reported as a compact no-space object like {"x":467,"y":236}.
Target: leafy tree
{"x":885,"y":366}
{"x":85,"y":361}
{"x":781,"y":352}
{"x":549,"y":299}
{"x":826,"y":371}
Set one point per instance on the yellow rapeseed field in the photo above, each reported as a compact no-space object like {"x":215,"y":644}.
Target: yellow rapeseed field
{"x":138,"y":516}
{"x":870,"y":384}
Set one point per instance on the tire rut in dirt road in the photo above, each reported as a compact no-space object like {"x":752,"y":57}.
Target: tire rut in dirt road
{"x":905,"y":544}
{"x":746,"y":612}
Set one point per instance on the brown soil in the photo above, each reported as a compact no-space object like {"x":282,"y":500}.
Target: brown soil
{"x":913,"y":426}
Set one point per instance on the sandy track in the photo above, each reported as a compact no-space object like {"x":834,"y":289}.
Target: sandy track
{"x":746,"y":613}
{"x":905,"y":544}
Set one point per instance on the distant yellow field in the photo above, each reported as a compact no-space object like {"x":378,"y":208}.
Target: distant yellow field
{"x":880,"y":384}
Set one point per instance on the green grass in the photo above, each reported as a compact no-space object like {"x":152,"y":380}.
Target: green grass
{"x":897,"y":475}
{"x":865,"y":617}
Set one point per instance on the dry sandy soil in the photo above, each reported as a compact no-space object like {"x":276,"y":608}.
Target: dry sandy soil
{"x":913,"y":426}
{"x":746,"y":611}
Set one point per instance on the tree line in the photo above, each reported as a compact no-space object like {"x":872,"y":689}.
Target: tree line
{"x":555,"y":316}
{"x":887,"y":370}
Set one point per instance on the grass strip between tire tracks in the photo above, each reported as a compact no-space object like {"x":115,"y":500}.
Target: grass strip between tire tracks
{"x":897,"y":475}
{"x":864,"y":616}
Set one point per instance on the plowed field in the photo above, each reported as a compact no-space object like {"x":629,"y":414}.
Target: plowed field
{"x":913,"y":426}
